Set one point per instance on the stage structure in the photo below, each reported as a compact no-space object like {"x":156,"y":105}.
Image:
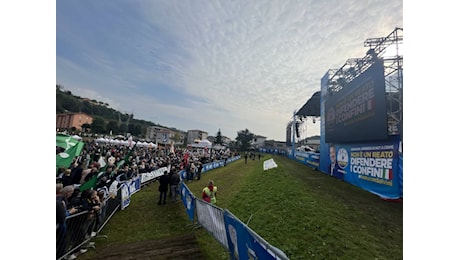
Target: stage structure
{"x":386,"y":49}
{"x":361,"y":111}
{"x":296,"y":129}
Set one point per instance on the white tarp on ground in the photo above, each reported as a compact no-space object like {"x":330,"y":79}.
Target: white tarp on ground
{"x":268,"y":164}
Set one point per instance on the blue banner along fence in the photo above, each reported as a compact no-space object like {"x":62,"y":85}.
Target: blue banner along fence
{"x":188,"y":200}
{"x":241,"y":241}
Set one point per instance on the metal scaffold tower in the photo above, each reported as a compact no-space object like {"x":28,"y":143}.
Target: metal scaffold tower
{"x":387,"y":49}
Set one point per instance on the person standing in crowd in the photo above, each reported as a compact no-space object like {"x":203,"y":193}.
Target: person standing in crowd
{"x":77,"y":172}
{"x":209,"y":193}
{"x":65,"y":196}
{"x":163,"y":188}
{"x":192,"y":170}
{"x":90,"y":202}
{"x":188,"y":171}
{"x":246,"y":157}
{"x":67,"y":178}
{"x":61,"y":229}
{"x":103,"y":204}
{"x":174,"y":182}
{"x":63,"y":210}
{"x":199,"y":169}
{"x":171,"y":171}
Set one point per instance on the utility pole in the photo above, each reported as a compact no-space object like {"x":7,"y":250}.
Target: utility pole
{"x":293,"y":134}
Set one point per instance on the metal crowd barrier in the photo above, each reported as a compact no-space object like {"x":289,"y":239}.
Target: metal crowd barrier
{"x":216,"y":221}
{"x":212,"y":219}
{"x":81,"y":228}
{"x":77,"y":234}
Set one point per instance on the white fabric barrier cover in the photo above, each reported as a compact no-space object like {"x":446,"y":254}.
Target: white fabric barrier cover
{"x":268,"y":164}
{"x":153,"y":174}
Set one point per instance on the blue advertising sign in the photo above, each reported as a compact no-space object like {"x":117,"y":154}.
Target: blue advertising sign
{"x":134,"y":185}
{"x":125,"y":195}
{"x":401,"y":172}
{"x":237,"y":238}
{"x":188,"y":200}
{"x":245,"y":244}
{"x":308,"y":158}
{"x":372,"y":166}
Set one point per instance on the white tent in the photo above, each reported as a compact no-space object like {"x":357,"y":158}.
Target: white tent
{"x":101,"y":140}
{"x":203,"y":144}
{"x":218,"y":147}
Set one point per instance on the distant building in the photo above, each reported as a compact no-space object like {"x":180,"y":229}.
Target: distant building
{"x":163,"y":135}
{"x":68,"y":121}
{"x":152,"y":132}
{"x":312,"y":141}
{"x":272,"y":144}
{"x":258,"y":141}
{"x":225,"y":140}
{"x":196,"y":135}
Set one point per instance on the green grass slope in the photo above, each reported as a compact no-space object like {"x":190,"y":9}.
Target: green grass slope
{"x":305,"y":213}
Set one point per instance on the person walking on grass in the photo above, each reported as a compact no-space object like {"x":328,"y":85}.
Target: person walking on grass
{"x":163,"y":188}
{"x":209,"y":193}
{"x":174,"y":181}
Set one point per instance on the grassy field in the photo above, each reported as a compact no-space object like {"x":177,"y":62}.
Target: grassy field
{"x":305,"y":213}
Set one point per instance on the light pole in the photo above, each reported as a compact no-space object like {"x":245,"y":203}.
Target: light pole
{"x":293,"y":134}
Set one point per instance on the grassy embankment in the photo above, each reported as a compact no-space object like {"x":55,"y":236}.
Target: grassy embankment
{"x":305,"y":213}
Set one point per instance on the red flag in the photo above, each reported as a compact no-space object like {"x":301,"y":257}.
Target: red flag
{"x":186,"y":158}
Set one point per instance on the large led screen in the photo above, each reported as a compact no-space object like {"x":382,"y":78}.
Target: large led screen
{"x":357,"y":113}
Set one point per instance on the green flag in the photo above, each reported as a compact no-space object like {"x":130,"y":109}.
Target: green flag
{"x":90,"y":184}
{"x":65,"y":158}
{"x":120,"y":163}
{"x":65,"y":141}
{"x":72,"y":149}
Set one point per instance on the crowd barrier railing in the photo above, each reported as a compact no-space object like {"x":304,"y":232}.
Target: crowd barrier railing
{"x":211,"y":218}
{"x":74,"y":237}
{"x":241,"y":241}
{"x":76,"y":234}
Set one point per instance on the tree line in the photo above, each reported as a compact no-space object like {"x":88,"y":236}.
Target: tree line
{"x":106,"y":119}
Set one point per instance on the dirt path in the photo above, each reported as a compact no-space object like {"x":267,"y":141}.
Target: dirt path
{"x":180,"y":247}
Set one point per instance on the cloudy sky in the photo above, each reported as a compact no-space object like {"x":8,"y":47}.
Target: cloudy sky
{"x":210,"y":65}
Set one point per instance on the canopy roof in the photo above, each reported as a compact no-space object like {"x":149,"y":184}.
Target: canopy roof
{"x":312,"y":107}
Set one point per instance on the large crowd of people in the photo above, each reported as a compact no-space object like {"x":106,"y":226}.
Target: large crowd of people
{"x":110,"y":165}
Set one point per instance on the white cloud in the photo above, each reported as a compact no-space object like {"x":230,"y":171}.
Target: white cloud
{"x":251,"y":63}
